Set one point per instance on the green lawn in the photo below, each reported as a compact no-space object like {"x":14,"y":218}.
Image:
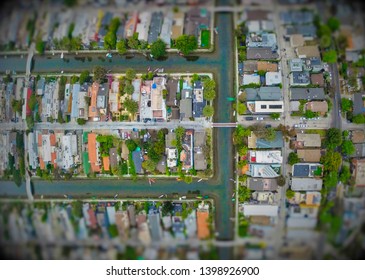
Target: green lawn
{"x":205,"y":39}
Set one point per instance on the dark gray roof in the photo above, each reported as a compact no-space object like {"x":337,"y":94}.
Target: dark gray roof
{"x":261,"y":184}
{"x":296,"y":17}
{"x":103,"y":89}
{"x":154,"y":223}
{"x":171,"y":86}
{"x":155,"y":26}
{"x":307,"y":93}
{"x":137,"y":160}
{"x":263,"y":93}
{"x":261,"y":53}
{"x":175,"y":113}
{"x":198,"y":108}
{"x":198,"y":85}
{"x":300,"y":170}
{"x":305,"y":30}
{"x":276,"y":143}
{"x":359,"y":103}
{"x":113,"y":154}
{"x":301,"y":77}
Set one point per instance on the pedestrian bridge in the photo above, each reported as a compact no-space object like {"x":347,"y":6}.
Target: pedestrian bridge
{"x":224,"y":124}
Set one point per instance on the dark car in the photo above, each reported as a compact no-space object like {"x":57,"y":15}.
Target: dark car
{"x":249,"y":118}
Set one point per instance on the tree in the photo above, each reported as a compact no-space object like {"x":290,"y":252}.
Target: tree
{"x":179,"y":132}
{"x":30,"y":122}
{"x":346,"y":104}
{"x":130,"y":74}
{"x":209,"y":94}
{"x":281,"y":180}
{"x":167,"y":208}
{"x":149,"y":165}
{"x":208,"y":111}
{"x":330,"y":56}
{"x":32,"y":103}
{"x":188,"y":179}
{"x":16,"y":105}
{"x":70,"y":3}
{"x":99,"y":74}
{"x":209,"y":84}
{"x":293,"y":158}
{"x":241,"y":108}
{"x":330,"y":179}
{"x":275,"y":116}
{"x":186,"y":44}
{"x":347,"y":147}
{"x":40,"y":46}
{"x":333,"y":138}
{"x":310,"y":114}
{"x":359,"y":119}
{"x":131,"y":106}
{"x":84,"y":76}
{"x":331,"y":161}
{"x":74,"y":79}
{"x":290,"y":194}
{"x":129,"y":89}
{"x":239,"y":133}
{"x":131,"y":145}
{"x":133,"y":42}
{"x":325,"y":41}
{"x":270,"y":134}
{"x":122,"y":47}
{"x":110,"y":41}
{"x":81,"y":121}
{"x":243,"y":151}
{"x":333,"y":23}
{"x":158,"y":48}
{"x":345,"y":174}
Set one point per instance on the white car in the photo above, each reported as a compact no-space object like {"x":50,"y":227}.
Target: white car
{"x":260,"y":118}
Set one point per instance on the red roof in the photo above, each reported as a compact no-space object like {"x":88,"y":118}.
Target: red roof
{"x":52,"y":139}
{"x":41,"y":163}
{"x":39,"y":140}
{"x":106,"y":163}
{"x":93,"y":157}
{"x":53,"y":158}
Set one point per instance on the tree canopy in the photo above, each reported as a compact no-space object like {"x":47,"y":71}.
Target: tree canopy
{"x":158,"y":49}
{"x":122,"y":47}
{"x":131,"y":106}
{"x":347,"y":147}
{"x":346,"y":104}
{"x":99,"y":74}
{"x":84,"y":76}
{"x":333,"y":23}
{"x":333,"y":138}
{"x":331,"y":161}
{"x":330,"y":56}
{"x":130,"y":74}
{"x":209,"y":94}
{"x":293,"y":158}
{"x":208,"y":111}
{"x":186,"y":44}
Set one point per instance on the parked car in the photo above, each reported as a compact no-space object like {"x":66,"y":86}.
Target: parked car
{"x":249,"y":118}
{"x":260,"y":118}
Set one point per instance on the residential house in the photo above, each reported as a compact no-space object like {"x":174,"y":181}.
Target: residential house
{"x":166,"y":29}
{"x":307,"y":170}
{"x":296,"y":65}
{"x":69,"y":151}
{"x":260,"y":184}
{"x":196,"y":19}
{"x":261,"y":40}
{"x":359,"y":103}
{"x":158,"y":106}
{"x":312,"y":64}
{"x":265,"y":107}
{"x":137,"y":160}
{"x":264,"y":170}
{"x":309,"y":155}
{"x":178,"y":25}
{"x":266,"y":66}
{"x":307,"y":51}
{"x":123,"y":224}
{"x":82,"y":106}
{"x":202,"y":217}
{"x":299,"y":78}
{"x":307,"y":140}
{"x":94,"y":154}
{"x":200,"y":162}
{"x":186,"y":109}
{"x":155,"y":27}
{"x":296,"y":40}
{"x":320,"y":107}
{"x":306,"y":184}
{"x":114,"y":98}
{"x":171,"y":154}
{"x":264,"y":53}
{"x":359,"y":172}
{"x":143,"y":25}
{"x":260,"y":210}
{"x":40,"y":86}
{"x":186,"y":155}
{"x":251,"y":79}
{"x":93,"y":93}
{"x":132,"y":215}
{"x":198,"y":100}
{"x":261,"y":156}
{"x":255,"y":26}
{"x":296,"y":17}
{"x":102,"y":98}
{"x":263,"y":94}
{"x":154,"y":224}
{"x":113,"y":158}
{"x":307,"y":32}
{"x":317,"y":79}
{"x":273,"y":78}
{"x":131,"y":25}
{"x":357,"y":136}
{"x":307,"y":93}
{"x":255,"y":142}
{"x":250,"y":66}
